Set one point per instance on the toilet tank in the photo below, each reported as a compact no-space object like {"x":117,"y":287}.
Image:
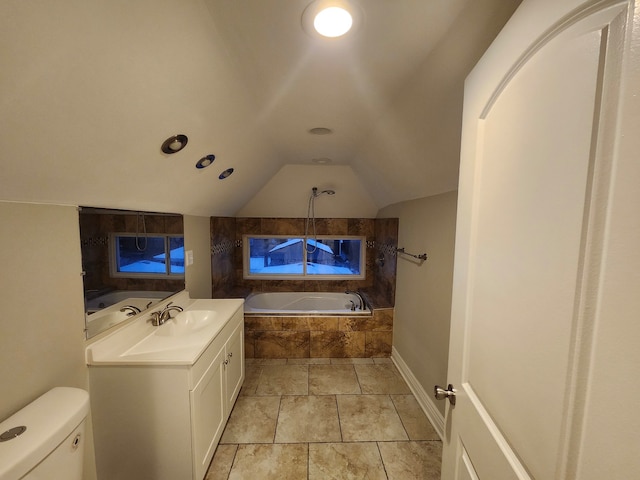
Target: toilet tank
{"x":45,"y":440}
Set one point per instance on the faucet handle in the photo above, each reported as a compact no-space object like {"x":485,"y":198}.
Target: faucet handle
{"x":156,"y":318}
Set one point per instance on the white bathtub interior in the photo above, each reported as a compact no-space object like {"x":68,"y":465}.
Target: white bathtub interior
{"x":304,"y":303}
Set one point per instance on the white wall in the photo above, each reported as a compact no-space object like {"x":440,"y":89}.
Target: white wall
{"x":42,"y":319}
{"x":423,"y":292}
{"x":197,"y":239}
{"x":423,"y":121}
{"x":286,"y":194}
{"x":42,"y":322}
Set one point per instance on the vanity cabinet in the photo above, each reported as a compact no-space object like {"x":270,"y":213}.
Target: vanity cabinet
{"x":164,"y":422}
{"x":213,"y":397}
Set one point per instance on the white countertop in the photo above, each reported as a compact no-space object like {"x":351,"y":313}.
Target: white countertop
{"x":141,"y":343}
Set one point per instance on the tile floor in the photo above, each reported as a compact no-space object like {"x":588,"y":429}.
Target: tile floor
{"x":326,"y":419}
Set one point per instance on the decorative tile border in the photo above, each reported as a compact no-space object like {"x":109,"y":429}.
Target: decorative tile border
{"x":223,"y":248}
{"x":94,"y":242}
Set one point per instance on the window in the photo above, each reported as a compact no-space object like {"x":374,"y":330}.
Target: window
{"x":327,"y":258}
{"x":150,"y":256}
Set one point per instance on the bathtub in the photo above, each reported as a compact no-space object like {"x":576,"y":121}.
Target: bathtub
{"x":303,"y":303}
{"x":104,"y":311}
{"x":117,"y":296}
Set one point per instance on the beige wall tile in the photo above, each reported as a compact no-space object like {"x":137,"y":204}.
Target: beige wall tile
{"x":337,"y":344}
{"x":281,"y":344}
{"x":375,"y":322}
{"x":325,"y":323}
{"x":262,"y":323}
{"x":378,"y":344}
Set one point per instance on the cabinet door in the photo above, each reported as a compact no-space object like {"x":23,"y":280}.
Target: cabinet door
{"x":208,"y":415}
{"x":234,"y":366}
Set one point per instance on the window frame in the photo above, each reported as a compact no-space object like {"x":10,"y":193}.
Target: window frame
{"x":113,"y":257}
{"x":246,"y":260}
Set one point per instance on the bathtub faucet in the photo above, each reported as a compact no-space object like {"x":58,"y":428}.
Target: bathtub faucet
{"x":362,"y":302}
{"x":130,"y":309}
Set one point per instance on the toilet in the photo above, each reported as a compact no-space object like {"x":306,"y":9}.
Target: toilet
{"x":45,"y":440}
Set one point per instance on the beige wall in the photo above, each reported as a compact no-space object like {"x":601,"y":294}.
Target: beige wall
{"x":423,"y":292}
{"x":197,"y":239}
{"x":287,"y":194}
{"x":42,"y":320}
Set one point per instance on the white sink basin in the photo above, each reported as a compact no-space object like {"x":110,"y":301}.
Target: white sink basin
{"x":179,"y":341}
{"x":186,"y":323}
{"x":186,"y":330}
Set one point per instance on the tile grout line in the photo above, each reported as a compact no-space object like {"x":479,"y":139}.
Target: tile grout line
{"x":386,"y":474}
{"x":399,"y":416}
{"x":354,"y":369}
{"x":275,"y":430}
{"x":335,"y":397}
{"x":235,"y":454}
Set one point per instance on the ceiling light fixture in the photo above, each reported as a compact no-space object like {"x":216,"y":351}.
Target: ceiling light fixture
{"x":320,"y":131}
{"x":225,"y":174}
{"x":333,"y":22}
{"x":321,"y":161}
{"x":205,"y":161}
{"x":174,"y":144}
{"x":330,"y":18}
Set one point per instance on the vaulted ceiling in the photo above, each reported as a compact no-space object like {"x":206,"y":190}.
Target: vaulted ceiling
{"x":90,"y":90}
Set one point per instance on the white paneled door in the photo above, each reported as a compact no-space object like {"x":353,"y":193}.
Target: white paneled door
{"x":547,"y":250}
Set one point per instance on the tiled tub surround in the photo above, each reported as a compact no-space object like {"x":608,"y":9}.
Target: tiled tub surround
{"x":226,"y":256}
{"x":322,"y":419}
{"x":328,"y":336}
{"x":311,"y":336}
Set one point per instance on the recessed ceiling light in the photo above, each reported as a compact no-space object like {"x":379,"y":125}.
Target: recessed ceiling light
{"x":321,"y":161}
{"x":333,"y":22}
{"x":320,"y":131}
{"x":330,"y":18}
{"x":205,"y":161}
{"x":174,"y":144}
{"x":226,"y":173}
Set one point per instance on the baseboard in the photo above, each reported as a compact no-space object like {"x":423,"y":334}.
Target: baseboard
{"x":424,"y":399}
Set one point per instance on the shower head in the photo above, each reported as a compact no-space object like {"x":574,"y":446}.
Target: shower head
{"x":328,"y":192}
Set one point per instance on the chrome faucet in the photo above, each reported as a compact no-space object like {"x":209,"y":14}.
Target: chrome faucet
{"x":130,"y":309}
{"x":362,"y":302}
{"x":159,"y":317}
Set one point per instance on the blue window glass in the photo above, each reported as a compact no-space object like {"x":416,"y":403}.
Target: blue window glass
{"x":295,"y":257}
{"x":147,"y":255}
